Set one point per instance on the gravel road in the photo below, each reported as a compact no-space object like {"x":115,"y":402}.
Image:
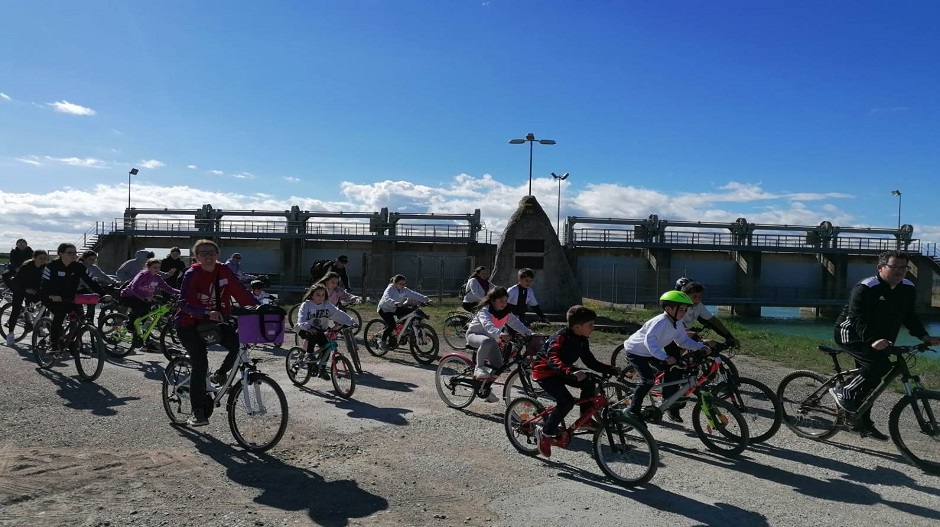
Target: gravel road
{"x":104,"y":454}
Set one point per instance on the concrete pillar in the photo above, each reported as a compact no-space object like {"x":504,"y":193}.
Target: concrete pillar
{"x":748,"y":282}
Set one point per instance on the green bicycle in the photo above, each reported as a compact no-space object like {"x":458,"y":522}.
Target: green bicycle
{"x":155,"y":329}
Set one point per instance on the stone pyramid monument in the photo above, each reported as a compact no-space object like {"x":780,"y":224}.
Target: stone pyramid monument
{"x":530,"y":241}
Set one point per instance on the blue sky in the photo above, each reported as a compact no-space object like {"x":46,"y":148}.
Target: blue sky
{"x":781,"y":112}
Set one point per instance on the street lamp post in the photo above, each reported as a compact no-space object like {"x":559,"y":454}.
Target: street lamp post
{"x":559,"y":179}
{"x":898,"y":194}
{"x":133,"y":172}
{"x":530,"y":138}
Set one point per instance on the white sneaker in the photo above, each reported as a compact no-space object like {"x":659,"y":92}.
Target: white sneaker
{"x":491,"y":398}
{"x":11,"y":341}
{"x":482,"y":373}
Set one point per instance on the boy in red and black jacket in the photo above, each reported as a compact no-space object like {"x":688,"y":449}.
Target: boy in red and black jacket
{"x":554,"y":370}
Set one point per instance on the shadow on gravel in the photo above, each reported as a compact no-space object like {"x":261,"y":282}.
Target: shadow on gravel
{"x":406,"y":362}
{"x":377,"y":381}
{"x":362,"y":410}
{"x":649,"y":495}
{"x":494,"y":417}
{"x":289,"y":488}
{"x":83,"y":395}
{"x":152,"y":368}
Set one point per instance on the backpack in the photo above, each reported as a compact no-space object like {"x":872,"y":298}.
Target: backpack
{"x":319,"y":269}
{"x":462,"y":292}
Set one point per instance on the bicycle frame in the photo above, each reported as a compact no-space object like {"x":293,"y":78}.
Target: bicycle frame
{"x":408,"y":322}
{"x":155,"y":316}
{"x":564,"y":439}
{"x":244,"y":367}
{"x":688,"y":386}
{"x":515,"y":359}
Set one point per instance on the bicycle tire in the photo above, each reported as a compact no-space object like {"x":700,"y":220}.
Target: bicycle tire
{"x":42,"y":343}
{"x":514,"y":387}
{"x":520,"y":426}
{"x":357,"y":318}
{"x":626,"y":452}
{"x":809,"y":410}
{"x":454,"y":380}
{"x":423,"y":343}
{"x":169,"y":341}
{"x":343,"y":376}
{"x":757,"y":403}
{"x":258,"y":413}
{"x":117,"y":334}
{"x":292,"y":315}
{"x":298,"y":371}
{"x":19,"y":329}
{"x":89,"y":353}
{"x":618,"y":358}
{"x":372,"y":335}
{"x":352,"y":349}
{"x":454,"y":331}
{"x":914,"y":424}
{"x":725,"y":433}
{"x":176,"y":382}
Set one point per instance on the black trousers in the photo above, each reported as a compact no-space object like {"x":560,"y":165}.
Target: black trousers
{"x":59,"y":310}
{"x":389,"y":318}
{"x":138,"y":309}
{"x":557,"y":387}
{"x":199,"y":354}
{"x":313,"y":339}
{"x":874,"y":365}
{"x":19,"y":297}
{"x":648,"y":369}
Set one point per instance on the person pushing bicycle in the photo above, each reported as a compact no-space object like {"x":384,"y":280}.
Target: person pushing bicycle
{"x":554,"y":370}
{"x":869,"y":325}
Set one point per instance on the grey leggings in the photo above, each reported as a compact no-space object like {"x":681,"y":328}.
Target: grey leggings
{"x":487,"y":349}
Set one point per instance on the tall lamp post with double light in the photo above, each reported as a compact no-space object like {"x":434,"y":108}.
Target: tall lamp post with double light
{"x":132,"y":172}
{"x":530,"y":138}
{"x":898,"y":194}
{"x":559,"y":179}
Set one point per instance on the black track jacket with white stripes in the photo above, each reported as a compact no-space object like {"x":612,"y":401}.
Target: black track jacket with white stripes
{"x":875,"y":311}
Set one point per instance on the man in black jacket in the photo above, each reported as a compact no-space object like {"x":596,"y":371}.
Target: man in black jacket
{"x":18,"y":255}
{"x":869,"y":325}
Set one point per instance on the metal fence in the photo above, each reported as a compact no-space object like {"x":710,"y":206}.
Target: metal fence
{"x":431,"y":275}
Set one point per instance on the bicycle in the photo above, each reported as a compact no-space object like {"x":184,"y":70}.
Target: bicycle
{"x":340,"y":369}
{"x":29,"y":315}
{"x":454,"y":329}
{"x":623,"y":448}
{"x":718,"y":424}
{"x":256,"y":405}
{"x":344,"y":307}
{"x":117,"y":331}
{"x":411,"y":329}
{"x":618,"y":357}
{"x":810,"y":411}
{"x":78,"y":338}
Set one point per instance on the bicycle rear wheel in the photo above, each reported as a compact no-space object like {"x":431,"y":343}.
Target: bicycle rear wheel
{"x":176,"y":400}
{"x":454,"y":380}
{"x":19,"y":329}
{"x":292,"y":315}
{"x":117,"y":334}
{"x":515,"y":387}
{"x":520,"y":420}
{"x":354,"y":313}
{"x":89,"y":353}
{"x":756,"y":402}
{"x":454,"y":331}
{"x":42,"y":344}
{"x":423,"y":343}
{"x":343,"y":377}
{"x":372,"y":334}
{"x":914,"y":424}
{"x":809,"y":410}
{"x":626,"y":451}
{"x":619,"y":358}
{"x":720,"y":426}
{"x":298,"y":371}
{"x":257,"y":415}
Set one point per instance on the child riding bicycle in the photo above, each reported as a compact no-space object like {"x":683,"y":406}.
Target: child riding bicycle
{"x":314,"y":319}
{"x":486,"y":333}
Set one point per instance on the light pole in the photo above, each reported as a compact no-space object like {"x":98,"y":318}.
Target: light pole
{"x":133,"y":172}
{"x":530,"y":138}
{"x":559,"y":179}
{"x":898,"y":194}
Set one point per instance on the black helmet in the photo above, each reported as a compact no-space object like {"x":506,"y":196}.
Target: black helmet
{"x":257,"y":284}
{"x":680,"y":283}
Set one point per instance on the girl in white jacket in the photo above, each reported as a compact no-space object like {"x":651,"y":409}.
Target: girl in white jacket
{"x":485,"y":333}
{"x":390,"y":305}
{"x":315,"y":317}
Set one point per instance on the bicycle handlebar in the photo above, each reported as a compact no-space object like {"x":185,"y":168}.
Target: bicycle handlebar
{"x":914,"y":348}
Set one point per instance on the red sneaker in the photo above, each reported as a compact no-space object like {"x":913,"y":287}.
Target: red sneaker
{"x":545,"y":442}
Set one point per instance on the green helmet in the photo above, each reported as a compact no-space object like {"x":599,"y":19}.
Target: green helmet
{"x":675,"y":297}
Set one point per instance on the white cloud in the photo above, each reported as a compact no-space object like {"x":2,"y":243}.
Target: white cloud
{"x":5,"y":97}
{"x":192,"y":167}
{"x":30,"y":160}
{"x":244,"y":175}
{"x":70,"y":108}
{"x":87,"y":162}
{"x":291,"y":179}
{"x":216,"y":172}
{"x":152,"y":164}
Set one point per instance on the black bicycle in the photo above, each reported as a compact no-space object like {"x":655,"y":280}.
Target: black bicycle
{"x":810,"y":411}
{"x":80,"y":339}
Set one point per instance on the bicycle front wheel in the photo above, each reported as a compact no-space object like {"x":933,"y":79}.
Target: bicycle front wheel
{"x":720,"y":426}
{"x":809,"y":410}
{"x":292,"y":315}
{"x":372,"y":334}
{"x":515,"y":386}
{"x":169,"y":343}
{"x":914,"y":424}
{"x":298,"y":371}
{"x":454,"y":381}
{"x":176,"y":400}
{"x":117,"y":334}
{"x":89,"y":353}
{"x":354,"y":313}
{"x":343,"y":377}
{"x":352,"y":348}
{"x":42,"y":343}
{"x":626,"y":452}
{"x":424,"y":344}
{"x":757,"y":403}
{"x":521,"y":418}
{"x":257,"y":415}
{"x":455,"y":331}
